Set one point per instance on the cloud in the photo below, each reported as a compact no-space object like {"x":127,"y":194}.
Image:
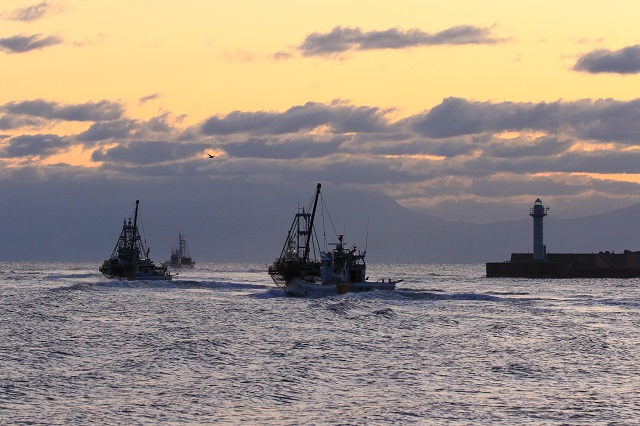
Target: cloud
{"x":341,"y":39}
{"x":477,"y":197}
{"x":22,"y":44}
{"x":604,"y":119}
{"x":117,"y":129}
{"x":35,"y":12}
{"x":456,"y":116}
{"x":148,"y":152}
{"x":601,"y":162}
{"x":527,"y":148}
{"x":339,"y":118}
{"x":124,"y":129}
{"x":90,"y":111}
{"x":609,"y":120}
{"x":27,"y":146}
{"x":158,"y":124}
{"x":145,"y":99}
{"x":362,"y":171}
{"x":303,"y":147}
{"x":282,"y":55}
{"x":622,"y":61}
{"x":12,"y":122}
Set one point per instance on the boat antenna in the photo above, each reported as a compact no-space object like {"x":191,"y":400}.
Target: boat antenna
{"x":325,"y":209}
{"x":143,"y":236}
{"x":310,"y":230}
{"x":133,"y":237}
{"x":366,"y":238}
{"x":324,"y":231}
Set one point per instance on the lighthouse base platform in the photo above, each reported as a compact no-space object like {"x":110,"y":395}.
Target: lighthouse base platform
{"x":569,"y":265}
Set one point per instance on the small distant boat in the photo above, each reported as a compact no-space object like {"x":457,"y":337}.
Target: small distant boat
{"x":180,"y":256}
{"x":338,"y":271}
{"x":130,"y":258}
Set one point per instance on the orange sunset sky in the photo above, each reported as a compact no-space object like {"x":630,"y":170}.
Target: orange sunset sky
{"x":451,"y":108}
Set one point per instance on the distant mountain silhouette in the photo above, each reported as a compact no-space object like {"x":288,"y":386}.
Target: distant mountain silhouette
{"x":241,"y":222}
{"x":397,"y":234}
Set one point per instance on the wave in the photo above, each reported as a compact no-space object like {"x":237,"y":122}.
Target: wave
{"x":510,"y":293}
{"x":176,"y":284}
{"x":430,"y":295}
{"x":353,"y":307}
{"x":55,"y":277}
{"x":271,"y":293}
{"x":74,"y":287}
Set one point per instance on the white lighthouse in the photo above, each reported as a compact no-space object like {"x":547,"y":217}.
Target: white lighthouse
{"x":538,"y":212}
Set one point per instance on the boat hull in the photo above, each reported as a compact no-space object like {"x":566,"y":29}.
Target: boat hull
{"x":138,"y":277}
{"x":303,"y":288}
{"x":150,"y":278}
{"x":146,"y":271}
{"x":181,"y":265}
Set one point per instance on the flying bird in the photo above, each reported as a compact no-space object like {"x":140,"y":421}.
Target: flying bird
{"x":211,"y":156}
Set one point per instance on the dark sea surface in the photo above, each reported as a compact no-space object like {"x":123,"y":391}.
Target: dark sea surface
{"x":221,"y":345}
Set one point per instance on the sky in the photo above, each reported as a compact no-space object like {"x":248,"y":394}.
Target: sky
{"x":463,"y":110}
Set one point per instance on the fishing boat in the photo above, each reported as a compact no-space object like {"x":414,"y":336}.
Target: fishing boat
{"x":130,"y":257}
{"x":180,"y":256}
{"x":340,"y":270}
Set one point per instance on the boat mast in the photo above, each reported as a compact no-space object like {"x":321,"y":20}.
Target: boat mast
{"x":310,"y":228}
{"x":134,"y":232}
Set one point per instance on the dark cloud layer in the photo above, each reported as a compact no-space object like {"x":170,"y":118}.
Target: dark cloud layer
{"x":458,"y":150}
{"x":342,"y":39}
{"x":622,"y":61}
{"x":117,"y":129}
{"x":525,"y":148}
{"x":22,"y":44}
{"x":90,"y":111}
{"x":10,"y":122}
{"x":605,"y":120}
{"x":148,"y":152}
{"x":298,"y":148}
{"x":340,"y":118}
{"x":27,"y":146}
{"x":456,"y":117}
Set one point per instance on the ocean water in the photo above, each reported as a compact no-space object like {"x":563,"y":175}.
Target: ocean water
{"x":221,"y":345}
